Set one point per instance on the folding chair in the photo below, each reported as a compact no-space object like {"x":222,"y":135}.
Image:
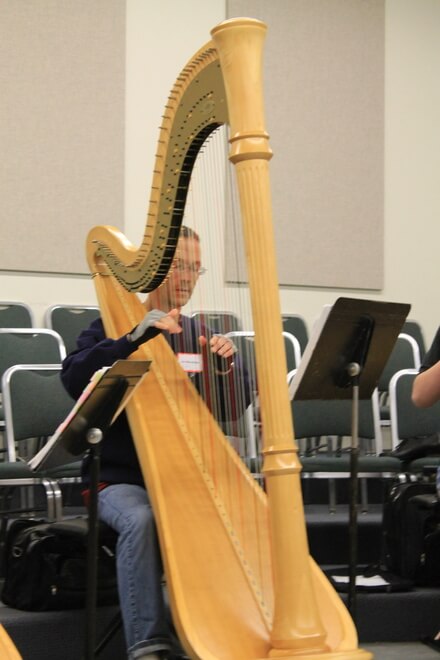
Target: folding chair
{"x":69,"y":321}
{"x":296,"y":325}
{"x":405,"y":355}
{"x":15,"y":315}
{"x":28,"y":346}
{"x":317,"y":418}
{"x":243,"y":432}
{"x":218,"y":321}
{"x":410,"y":423}
{"x":244,"y":341}
{"x":414,"y":329}
{"x":35,"y":403}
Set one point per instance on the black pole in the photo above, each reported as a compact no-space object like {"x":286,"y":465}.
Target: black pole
{"x":99,"y":423}
{"x":353,"y":360}
{"x":94,"y":437}
{"x":354,"y":370}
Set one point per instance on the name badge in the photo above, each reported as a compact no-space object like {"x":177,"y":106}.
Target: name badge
{"x":190,"y":362}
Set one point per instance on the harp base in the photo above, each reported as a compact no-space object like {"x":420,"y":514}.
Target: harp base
{"x":302,"y":654}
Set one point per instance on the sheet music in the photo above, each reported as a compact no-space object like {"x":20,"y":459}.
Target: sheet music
{"x":362,"y":580}
{"x":352,"y":330}
{"x":132,"y":370}
{"x":308,"y":351}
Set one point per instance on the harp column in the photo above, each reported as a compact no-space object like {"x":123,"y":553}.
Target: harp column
{"x":296,"y":625}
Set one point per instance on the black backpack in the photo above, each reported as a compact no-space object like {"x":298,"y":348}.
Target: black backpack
{"x":45,"y":565}
{"x":411,"y":532}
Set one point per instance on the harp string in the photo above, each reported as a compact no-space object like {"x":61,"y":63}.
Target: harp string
{"x":220,"y":214}
{"x":213,"y":216}
{"x":206,"y":215}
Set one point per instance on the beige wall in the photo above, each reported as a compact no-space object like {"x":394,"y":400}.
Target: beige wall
{"x":62,"y":71}
{"x":412,"y":167}
{"x":158,"y":43}
{"x":156,"y":49}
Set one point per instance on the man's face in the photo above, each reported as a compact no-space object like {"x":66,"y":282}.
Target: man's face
{"x":184,"y":273}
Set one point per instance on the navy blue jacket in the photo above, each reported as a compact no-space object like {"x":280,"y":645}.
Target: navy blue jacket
{"x":119,"y":462}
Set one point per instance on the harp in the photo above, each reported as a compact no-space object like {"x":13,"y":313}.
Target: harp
{"x":240,"y":579}
{"x":8,"y":650}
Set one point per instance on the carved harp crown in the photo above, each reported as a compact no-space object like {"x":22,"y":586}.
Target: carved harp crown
{"x":240,"y":579}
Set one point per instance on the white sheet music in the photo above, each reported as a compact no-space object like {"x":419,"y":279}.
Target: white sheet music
{"x":308,"y":351}
{"x":132,"y":370}
{"x":362,"y":581}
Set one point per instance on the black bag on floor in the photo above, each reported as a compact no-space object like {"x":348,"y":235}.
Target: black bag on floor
{"x":45,"y":565}
{"x":411,"y":532}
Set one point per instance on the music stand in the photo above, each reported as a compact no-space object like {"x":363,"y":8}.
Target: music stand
{"x":83,"y":430}
{"x":344,"y":359}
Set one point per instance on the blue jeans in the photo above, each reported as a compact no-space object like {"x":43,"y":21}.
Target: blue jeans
{"x":126,"y":508}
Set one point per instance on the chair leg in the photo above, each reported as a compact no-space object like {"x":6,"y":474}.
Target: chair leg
{"x":4,"y":498}
{"x":109,"y":633}
{"x":26,"y":500}
{"x":3,"y":532}
{"x":54,"y":499}
{"x":332,"y":495}
{"x":58,"y":501}
{"x":364,"y":495}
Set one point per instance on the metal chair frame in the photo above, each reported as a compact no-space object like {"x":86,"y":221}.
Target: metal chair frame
{"x":416,"y":422}
{"x":333,"y":465}
{"x":394,"y":364}
{"x":253,"y":422}
{"x":222,"y":321}
{"x":51,"y":480}
{"x":30,"y":340}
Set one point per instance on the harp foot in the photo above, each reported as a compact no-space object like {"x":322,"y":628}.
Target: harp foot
{"x":309,"y":654}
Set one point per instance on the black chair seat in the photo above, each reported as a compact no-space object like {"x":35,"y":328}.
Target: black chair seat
{"x":16,"y":470}
{"x":374,"y":465}
{"x":65,"y":471}
{"x":424,"y":465}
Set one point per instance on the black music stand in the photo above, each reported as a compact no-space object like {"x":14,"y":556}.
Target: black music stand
{"x":83,"y":430}
{"x":344,"y":359}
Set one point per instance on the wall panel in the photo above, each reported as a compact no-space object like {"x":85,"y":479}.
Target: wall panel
{"x":62,"y":72}
{"x":324,"y":90}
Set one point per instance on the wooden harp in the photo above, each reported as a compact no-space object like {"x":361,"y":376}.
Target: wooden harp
{"x":8,"y":650}
{"x":240,"y":579}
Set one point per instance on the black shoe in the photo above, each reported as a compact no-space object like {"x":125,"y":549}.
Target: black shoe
{"x":432,"y":643}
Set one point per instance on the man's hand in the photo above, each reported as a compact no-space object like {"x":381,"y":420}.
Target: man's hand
{"x":155,"y":319}
{"x":220,"y":345}
{"x":168,"y":322}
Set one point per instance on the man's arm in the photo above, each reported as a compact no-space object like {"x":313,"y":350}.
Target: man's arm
{"x":96,"y":351}
{"x":426,"y":387}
